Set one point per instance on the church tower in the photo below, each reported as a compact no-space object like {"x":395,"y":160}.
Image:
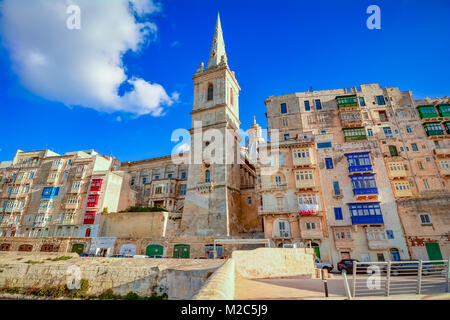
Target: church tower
{"x":212,"y":197}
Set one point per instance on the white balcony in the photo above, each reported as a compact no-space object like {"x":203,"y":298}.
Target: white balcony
{"x":57,"y":165}
{"x":45,"y":207}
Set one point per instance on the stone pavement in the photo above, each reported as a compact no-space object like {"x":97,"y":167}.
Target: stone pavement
{"x":298,"y":288}
{"x":292,"y":288}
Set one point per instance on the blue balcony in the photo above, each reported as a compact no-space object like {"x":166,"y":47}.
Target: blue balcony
{"x":372,"y":219}
{"x":364,"y":168}
{"x":365,"y":191}
{"x":50,"y":192}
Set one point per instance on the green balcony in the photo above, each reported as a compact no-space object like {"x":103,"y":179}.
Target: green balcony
{"x":434,"y":129}
{"x":355,"y":134}
{"x":444,"y":110}
{"x":354,"y":138}
{"x":347,"y":101}
{"x":427,"y":112}
{"x":446,"y":124}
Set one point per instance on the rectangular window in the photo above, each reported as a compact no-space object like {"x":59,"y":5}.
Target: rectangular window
{"x":380,"y":101}
{"x":183,"y":189}
{"x":425,"y":218}
{"x":414,"y":147}
{"x":249,"y":201}
{"x":338,"y":213}
{"x":336,"y":188}
{"x":369,"y":132}
{"x":329,"y":163}
{"x":283,"y":108}
{"x":286,"y":136}
{"x":408,"y":129}
{"x":393,"y":151}
{"x":387,"y":132}
{"x":420,"y":165}
{"x":318,"y":105}
{"x":380,"y":257}
{"x":322,"y":145}
{"x":183,"y":175}
{"x":390,"y":234}
{"x":307,"y":107}
{"x":144,"y":180}
{"x":362,"y":103}
{"x":425,"y":183}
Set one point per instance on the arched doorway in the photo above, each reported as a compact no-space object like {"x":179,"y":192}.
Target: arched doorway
{"x":153,"y":250}
{"x":181,"y":251}
{"x":316,"y":247}
{"x":78,"y":247}
{"x":26,"y":247}
{"x":128,"y":249}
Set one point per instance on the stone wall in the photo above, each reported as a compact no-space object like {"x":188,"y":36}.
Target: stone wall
{"x":134,"y":224}
{"x":178,"y":278}
{"x":274,"y":262}
{"x":60,"y":244}
{"x":220,"y":285}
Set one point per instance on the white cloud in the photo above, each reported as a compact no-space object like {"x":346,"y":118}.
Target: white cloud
{"x":83,"y":67}
{"x":175,"y":43}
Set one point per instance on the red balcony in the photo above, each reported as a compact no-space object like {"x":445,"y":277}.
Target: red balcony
{"x":96,"y":184}
{"x":93,"y":201}
{"x":89,"y":217}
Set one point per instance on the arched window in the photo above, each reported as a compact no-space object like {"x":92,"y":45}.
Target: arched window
{"x":207,"y":176}
{"x":210,"y":92}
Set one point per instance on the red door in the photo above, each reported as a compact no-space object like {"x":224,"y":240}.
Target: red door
{"x":88,"y":232}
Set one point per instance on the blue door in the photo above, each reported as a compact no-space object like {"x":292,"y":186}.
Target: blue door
{"x":395,"y":255}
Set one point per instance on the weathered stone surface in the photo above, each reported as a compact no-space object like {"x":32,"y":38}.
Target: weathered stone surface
{"x":271,"y":262}
{"x":178,"y":278}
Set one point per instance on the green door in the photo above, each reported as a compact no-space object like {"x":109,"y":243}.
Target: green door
{"x":317,"y":251}
{"x":433,"y":250}
{"x":181,"y":251}
{"x":78,"y":248}
{"x":154,"y":250}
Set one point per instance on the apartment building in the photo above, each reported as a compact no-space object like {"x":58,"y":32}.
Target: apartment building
{"x":159,"y":182}
{"x":348,"y":154}
{"x":46,"y":194}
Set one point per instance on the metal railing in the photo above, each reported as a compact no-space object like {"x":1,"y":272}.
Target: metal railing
{"x":397,"y":278}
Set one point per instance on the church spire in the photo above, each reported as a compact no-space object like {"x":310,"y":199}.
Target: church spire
{"x":217,"y":54}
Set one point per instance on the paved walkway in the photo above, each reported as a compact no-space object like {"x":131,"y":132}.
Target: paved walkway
{"x":296,"y":288}
{"x":292,"y":288}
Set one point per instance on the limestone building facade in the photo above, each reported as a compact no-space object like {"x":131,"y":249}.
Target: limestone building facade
{"x":352,"y":172}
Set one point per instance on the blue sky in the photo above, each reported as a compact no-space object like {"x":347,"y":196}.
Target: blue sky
{"x":275,"y":47}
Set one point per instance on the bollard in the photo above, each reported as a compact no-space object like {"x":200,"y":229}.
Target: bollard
{"x":325,"y":283}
